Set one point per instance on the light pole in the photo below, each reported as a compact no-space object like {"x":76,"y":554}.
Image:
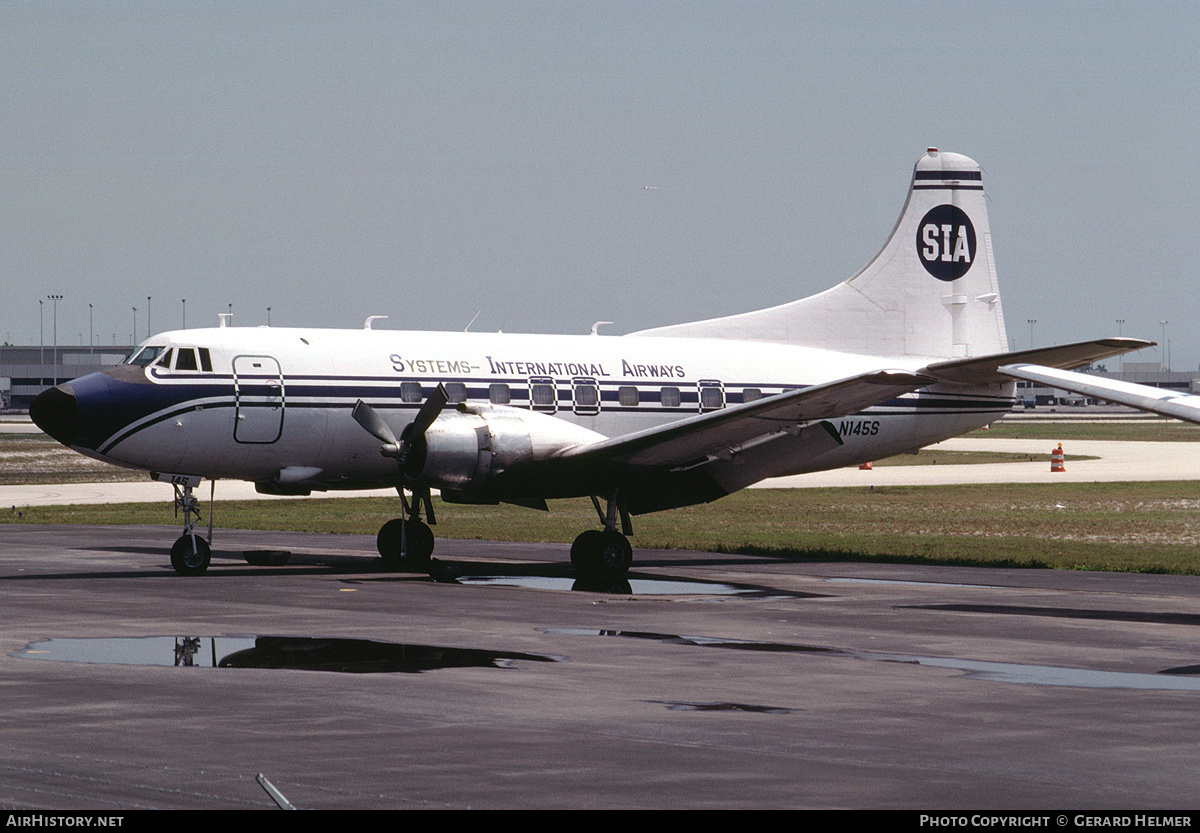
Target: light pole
{"x":1031,"y":321}
{"x":54,"y":299}
{"x":184,"y":303}
{"x":1165,"y":362}
{"x":135,"y":326}
{"x":1121,"y":358}
{"x":147,"y":316}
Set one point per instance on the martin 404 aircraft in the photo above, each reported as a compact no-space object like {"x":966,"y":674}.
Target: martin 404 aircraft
{"x":909,"y":351}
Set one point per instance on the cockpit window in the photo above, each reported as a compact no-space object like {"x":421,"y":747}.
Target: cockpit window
{"x":146,"y":355}
{"x":165,"y":359}
{"x":186,"y":359}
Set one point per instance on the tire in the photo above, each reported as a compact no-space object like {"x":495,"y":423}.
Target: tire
{"x":390,"y":543}
{"x":583,"y":551}
{"x":601,"y":553}
{"x":188,"y":560}
{"x":616,"y":555}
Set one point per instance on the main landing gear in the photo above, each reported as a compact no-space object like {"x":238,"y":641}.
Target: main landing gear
{"x":190,"y":554}
{"x":597,"y":554}
{"x":605,"y":553}
{"x":407,"y":542}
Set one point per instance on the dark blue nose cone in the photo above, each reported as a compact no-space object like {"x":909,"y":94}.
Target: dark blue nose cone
{"x":53,"y":410}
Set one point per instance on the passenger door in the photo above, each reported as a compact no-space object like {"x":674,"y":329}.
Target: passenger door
{"x":258,"y":394}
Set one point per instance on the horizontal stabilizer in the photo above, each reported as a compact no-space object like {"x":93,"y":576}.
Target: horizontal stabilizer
{"x":1170,"y":403}
{"x":983,"y":370}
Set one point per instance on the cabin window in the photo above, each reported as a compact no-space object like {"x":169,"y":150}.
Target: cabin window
{"x":627,"y":396}
{"x":542,"y":395}
{"x":670,"y":397}
{"x":712,"y":396}
{"x":586,"y":396}
{"x":499,"y":394}
{"x":456,"y":392}
{"x":751,"y":394}
{"x":410,"y":392}
{"x":205,"y":359}
{"x":185,"y":359}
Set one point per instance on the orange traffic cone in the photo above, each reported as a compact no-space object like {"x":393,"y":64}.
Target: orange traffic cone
{"x":866,"y":467}
{"x":1056,"y":459}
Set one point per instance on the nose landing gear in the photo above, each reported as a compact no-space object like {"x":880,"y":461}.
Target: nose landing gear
{"x":191,"y":553}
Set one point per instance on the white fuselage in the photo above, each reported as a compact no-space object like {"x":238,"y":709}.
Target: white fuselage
{"x":276,"y":403}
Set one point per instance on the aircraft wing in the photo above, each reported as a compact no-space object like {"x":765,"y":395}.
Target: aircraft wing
{"x":982,"y":370}
{"x":691,"y":440}
{"x":1170,"y":403}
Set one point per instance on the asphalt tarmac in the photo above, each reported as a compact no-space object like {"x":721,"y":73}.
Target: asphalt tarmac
{"x":719,"y":682}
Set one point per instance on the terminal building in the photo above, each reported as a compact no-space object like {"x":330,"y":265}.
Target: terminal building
{"x":1032,"y":394}
{"x":27,"y":371}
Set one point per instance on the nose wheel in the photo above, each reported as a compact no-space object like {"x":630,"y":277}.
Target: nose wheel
{"x":190,"y":555}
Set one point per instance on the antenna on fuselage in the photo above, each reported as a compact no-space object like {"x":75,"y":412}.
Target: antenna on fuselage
{"x":370,"y":318}
{"x":596,"y":327}
{"x":223,"y":318}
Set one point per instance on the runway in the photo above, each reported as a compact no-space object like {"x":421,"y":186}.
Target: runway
{"x":743,"y":683}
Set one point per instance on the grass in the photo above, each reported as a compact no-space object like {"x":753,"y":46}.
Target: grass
{"x":1137,"y":430}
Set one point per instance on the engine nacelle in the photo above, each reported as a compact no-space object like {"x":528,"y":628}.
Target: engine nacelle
{"x":465,"y":449}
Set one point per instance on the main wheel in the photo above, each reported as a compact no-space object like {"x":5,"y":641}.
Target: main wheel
{"x":584,"y":549}
{"x":391,"y":544}
{"x":601,"y":553}
{"x":190,"y":555}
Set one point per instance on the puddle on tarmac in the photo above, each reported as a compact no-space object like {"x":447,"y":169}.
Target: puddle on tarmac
{"x":348,"y":656}
{"x":908,"y":583}
{"x":705,"y":641}
{"x":1170,"y":679}
{"x":635,"y":587}
{"x":723,"y":707}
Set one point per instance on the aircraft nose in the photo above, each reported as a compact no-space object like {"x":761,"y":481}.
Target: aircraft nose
{"x":54,"y":411}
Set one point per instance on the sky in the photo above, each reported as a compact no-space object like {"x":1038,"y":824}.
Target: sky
{"x":540,"y":166}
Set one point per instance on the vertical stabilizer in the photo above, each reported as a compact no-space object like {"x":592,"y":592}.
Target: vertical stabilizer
{"x":931,"y":291}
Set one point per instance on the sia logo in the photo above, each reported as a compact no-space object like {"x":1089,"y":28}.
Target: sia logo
{"x":946,"y":242}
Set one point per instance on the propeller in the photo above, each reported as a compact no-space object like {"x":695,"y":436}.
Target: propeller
{"x":410,"y":450}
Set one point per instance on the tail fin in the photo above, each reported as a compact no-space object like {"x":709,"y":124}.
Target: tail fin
{"x":931,"y":291}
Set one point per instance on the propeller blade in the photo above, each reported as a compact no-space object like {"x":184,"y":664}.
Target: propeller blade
{"x":430,"y":410}
{"x":366,"y":416}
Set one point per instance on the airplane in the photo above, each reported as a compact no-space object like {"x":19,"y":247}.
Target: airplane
{"x":909,"y":351}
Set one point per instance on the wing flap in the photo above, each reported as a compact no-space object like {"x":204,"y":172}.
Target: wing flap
{"x":1170,"y":403}
{"x":690,"y":440}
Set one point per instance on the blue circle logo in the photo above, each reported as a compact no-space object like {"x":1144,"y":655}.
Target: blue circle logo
{"x":946,"y":242}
